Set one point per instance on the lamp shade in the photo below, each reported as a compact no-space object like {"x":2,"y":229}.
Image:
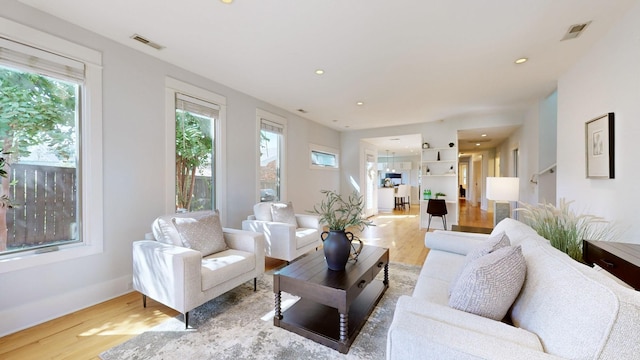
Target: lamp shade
{"x":503,"y":188}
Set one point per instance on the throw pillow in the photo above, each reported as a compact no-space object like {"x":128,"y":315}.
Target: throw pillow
{"x":262,"y":211}
{"x":203,"y":234}
{"x":489,"y":285}
{"x":493,"y":243}
{"x":283,"y":212}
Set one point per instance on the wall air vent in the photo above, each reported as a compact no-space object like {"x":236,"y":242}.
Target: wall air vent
{"x":575,"y":31}
{"x":147,"y":42}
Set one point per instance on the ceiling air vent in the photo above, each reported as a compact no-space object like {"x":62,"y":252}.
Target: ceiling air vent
{"x":145,"y":41}
{"x":302,"y":111}
{"x":575,"y":31}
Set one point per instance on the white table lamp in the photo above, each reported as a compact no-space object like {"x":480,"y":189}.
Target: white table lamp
{"x":502,"y":190}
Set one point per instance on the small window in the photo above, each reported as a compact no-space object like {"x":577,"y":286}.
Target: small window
{"x":324,"y":158}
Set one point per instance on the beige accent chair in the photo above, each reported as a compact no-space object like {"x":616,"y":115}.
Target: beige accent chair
{"x":287,"y":236}
{"x":182,"y":278}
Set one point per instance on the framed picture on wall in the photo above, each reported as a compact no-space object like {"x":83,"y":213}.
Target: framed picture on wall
{"x":599,"y":143}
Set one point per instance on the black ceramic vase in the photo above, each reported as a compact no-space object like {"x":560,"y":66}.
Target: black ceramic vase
{"x":337,"y":248}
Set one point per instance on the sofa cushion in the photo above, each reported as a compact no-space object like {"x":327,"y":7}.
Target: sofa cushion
{"x":489,"y":284}
{"x":201,"y":233}
{"x":225,"y":265}
{"x":283,"y":213}
{"x":262,"y":211}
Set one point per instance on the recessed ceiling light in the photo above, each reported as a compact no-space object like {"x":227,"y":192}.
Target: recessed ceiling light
{"x":319,"y":72}
{"x":484,"y":135}
{"x":359,"y":103}
{"x":521,"y":60}
{"x":227,"y":1}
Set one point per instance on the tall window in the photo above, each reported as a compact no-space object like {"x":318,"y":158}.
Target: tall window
{"x":51,"y":149}
{"x":195,"y":153}
{"x":271,"y":160}
{"x":39,"y":106}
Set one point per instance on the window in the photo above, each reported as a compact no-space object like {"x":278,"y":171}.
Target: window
{"x":50,"y":134}
{"x":195,"y":118}
{"x":323,"y":157}
{"x":271,"y":169}
{"x":195,"y":153}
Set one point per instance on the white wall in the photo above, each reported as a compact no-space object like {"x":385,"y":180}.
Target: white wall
{"x":606,"y":79}
{"x":134,"y":173}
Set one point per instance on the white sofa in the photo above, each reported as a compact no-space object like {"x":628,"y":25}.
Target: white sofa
{"x":565,"y":309}
{"x":285,"y":240}
{"x":180,"y":277}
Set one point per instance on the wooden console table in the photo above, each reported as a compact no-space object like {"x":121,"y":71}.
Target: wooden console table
{"x":620,"y":259}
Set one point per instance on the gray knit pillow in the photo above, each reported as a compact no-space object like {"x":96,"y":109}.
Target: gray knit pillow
{"x":489,"y":285}
{"x":202,"y":233}
{"x":493,"y":243}
{"x":283,"y":212}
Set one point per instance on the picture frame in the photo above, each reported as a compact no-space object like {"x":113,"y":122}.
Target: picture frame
{"x":599,"y":147}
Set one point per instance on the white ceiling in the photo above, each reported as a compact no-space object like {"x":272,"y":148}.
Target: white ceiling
{"x":409,"y":61}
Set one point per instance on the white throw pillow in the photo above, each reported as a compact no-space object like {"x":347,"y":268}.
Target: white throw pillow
{"x":262,"y":211}
{"x":201,"y":233}
{"x":493,"y":243}
{"x":490,"y":284}
{"x":283,"y":212}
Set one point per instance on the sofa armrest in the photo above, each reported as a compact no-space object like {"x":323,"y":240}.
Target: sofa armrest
{"x":167,"y":273}
{"x":438,"y":332}
{"x":308,"y":221}
{"x":453,"y":241}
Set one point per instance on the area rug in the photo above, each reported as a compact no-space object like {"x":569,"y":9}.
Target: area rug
{"x":231,"y":327}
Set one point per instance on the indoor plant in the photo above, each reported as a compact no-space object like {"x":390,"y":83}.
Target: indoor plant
{"x":565,"y":229}
{"x":339,"y":214}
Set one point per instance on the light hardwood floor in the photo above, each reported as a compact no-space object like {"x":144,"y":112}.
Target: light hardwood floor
{"x":86,"y":333}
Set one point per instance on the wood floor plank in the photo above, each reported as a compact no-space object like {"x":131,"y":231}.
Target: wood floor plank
{"x":86,"y":333}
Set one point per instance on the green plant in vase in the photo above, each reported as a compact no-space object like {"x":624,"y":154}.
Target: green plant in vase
{"x":439,"y":195}
{"x":339,"y":214}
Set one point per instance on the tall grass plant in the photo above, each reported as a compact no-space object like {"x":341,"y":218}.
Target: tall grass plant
{"x":565,"y":229}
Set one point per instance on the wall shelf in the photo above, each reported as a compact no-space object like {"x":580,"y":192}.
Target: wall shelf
{"x":439,"y":180}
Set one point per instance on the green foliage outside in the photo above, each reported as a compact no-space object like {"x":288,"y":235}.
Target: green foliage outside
{"x":194,"y":146}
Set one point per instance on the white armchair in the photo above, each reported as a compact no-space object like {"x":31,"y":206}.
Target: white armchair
{"x":170,"y":269}
{"x":287,"y":235}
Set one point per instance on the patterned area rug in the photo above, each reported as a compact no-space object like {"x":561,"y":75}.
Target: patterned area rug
{"x":232,"y":327}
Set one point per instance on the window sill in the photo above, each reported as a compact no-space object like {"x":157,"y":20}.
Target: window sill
{"x":31,"y":259}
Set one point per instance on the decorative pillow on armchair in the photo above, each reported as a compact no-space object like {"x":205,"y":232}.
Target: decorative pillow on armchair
{"x":283,"y":212}
{"x":489,"y":285}
{"x":202,"y":233}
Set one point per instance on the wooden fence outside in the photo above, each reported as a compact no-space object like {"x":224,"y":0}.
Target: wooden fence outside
{"x":45,"y":205}
{"x":45,"y":199}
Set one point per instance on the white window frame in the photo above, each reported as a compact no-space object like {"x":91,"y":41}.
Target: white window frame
{"x":172,"y":87}
{"x":325,"y":150}
{"x":280,"y":120}
{"x":90,"y":168}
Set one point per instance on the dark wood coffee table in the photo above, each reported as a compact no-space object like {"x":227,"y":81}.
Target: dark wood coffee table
{"x":333,"y":305}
